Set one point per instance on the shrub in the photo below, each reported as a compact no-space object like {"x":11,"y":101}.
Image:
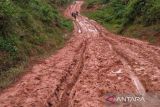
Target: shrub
{"x":152,"y":12}
{"x":27,"y":27}
{"x":7,"y":45}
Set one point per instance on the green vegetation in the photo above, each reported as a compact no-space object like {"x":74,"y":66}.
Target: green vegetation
{"x":129,"y":17}
{"x":28,"y":28}
{"x":61,"y":2}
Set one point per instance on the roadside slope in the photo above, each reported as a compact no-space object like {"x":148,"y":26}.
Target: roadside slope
{"x":28,"y":29}
{"x":132,"y":18}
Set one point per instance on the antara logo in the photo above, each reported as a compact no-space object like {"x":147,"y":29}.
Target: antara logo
{"x":124,"y":98}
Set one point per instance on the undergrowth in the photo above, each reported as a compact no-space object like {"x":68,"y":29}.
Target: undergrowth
{"x":121,"y":16}
{"x":28,"y":28}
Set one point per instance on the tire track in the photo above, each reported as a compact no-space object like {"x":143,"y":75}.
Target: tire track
{"x":60,"y":96}
{"x":125,"y":51}
{"x":78,"y":68}
{"x":136,"y":82}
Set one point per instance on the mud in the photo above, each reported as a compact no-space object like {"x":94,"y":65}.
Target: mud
{"x":93,"y":63}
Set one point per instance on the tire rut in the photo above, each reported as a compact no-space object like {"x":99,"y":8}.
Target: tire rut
{"x":68,"y":81}
{"x":129,"y":66}
{"x":79,"y":66}
{"x":135,"y":59}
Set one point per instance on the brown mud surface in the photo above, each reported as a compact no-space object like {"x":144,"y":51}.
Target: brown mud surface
{"x":93,"y":63}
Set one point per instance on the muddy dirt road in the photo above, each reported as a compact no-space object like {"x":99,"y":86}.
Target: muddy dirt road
{"x":93,"y":63}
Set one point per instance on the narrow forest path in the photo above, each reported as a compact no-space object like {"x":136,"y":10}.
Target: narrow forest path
{"x":93,"y":63}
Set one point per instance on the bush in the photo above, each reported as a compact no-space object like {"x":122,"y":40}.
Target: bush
{"x":152,"y":12}
{"x":61,"y":2}
{"x":91,"y":3}
{"x":127,"y":12}
{"x":28,"y":26}
{"x":7,"y":12}
{"x":7,"y":45}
